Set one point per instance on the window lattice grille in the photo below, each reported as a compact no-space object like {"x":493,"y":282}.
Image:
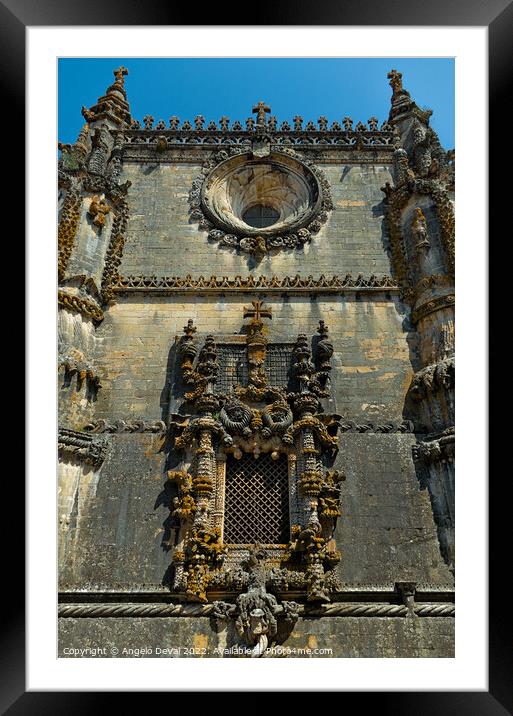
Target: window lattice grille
{"x":233,"y":367}
{"x":256,"y":500}
{"x":277,"y":363}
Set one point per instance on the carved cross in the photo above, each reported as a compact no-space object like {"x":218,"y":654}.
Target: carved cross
{"x":260,"y":109}
{"x":396,"y":80}
{"x":120,"y":73}
{"x":257,"y":312}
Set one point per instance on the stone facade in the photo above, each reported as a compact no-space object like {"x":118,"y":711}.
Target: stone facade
{"x":317,"y":350}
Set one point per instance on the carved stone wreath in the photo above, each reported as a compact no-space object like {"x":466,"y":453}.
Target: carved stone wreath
{"x":233,"y":182}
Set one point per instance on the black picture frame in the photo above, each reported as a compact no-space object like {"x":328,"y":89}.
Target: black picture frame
{"x":497,"y":15}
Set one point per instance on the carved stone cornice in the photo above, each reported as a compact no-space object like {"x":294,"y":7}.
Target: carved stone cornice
{"x":195,"y":153}
{"x":273,"y":417}
{"x":95,"y":592}
{"x":434,"y":304}
{"x":250,"y":284}
{"x":361,"y":137}
{"x":80,"y":305}
{"x":82,"y":446}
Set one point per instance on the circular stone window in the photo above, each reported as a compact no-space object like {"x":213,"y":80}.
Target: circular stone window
{"x":260,"y":216}
{"x":260,"y":203}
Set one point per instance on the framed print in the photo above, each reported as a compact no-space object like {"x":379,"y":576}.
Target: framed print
{"x":255,"y":330}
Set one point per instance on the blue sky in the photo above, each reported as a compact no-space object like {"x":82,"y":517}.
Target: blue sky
{"x":213,"y":87}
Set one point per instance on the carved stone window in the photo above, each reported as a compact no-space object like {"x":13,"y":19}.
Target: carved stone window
{"x":260,"y":204}
{"x":256,"y":500}
{"x":251,"y":443}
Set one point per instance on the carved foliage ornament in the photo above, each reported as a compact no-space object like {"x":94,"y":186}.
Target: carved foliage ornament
{"x":98,"y":210}
{"x":292,"y":189}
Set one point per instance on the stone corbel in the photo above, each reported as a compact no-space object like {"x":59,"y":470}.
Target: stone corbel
{"x":406,"y":592}
{"x":256,"y":611}
{"x":438,"y":450}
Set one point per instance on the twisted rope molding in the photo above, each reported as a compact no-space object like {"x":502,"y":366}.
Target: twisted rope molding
{"x":207,"y":610}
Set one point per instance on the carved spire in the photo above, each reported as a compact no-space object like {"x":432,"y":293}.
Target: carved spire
{"x":396,"y":81}
{"x":402,"y":102}
{"x":113,"y":105}
{"x":119,"y":83}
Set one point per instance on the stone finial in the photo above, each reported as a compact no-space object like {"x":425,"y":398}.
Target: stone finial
{"x":401,"y":100}
{"x":190,"y":329}
{"x":260,"y":110}
{"x":113,"y":105}
{"x":396,"y":81}
{"x":120,"y":75}
{"x":148,"y":121}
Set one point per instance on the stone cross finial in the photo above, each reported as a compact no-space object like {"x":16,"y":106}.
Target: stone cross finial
{"x":396,"y":80}
{"x":260,"y":109}
{"x":120,"y":73}
{"x":257,"y":312}
{"x":322,"y":329}
{"x":190,"y":329}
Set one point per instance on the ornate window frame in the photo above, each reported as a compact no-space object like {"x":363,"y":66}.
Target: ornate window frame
{"x":209,"y":206}
{"x":257,"y":418}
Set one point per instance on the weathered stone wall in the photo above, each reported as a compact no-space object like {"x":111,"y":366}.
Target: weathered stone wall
{"x":377,"y":637}
{"x":372,"y":365}
{"x":121,"y":516}
{"x":162,"y":240}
